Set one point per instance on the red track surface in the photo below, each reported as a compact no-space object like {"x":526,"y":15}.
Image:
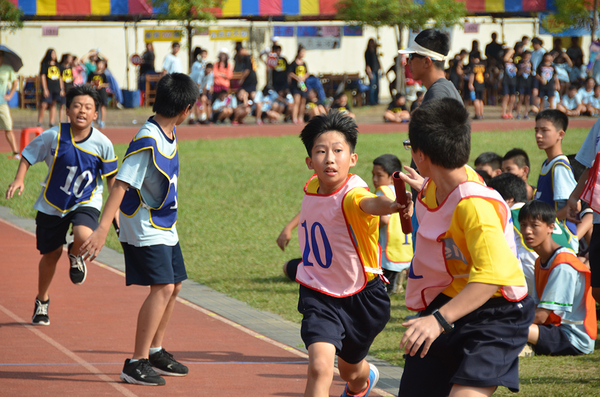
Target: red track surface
{"x":91,"y":333}
{"x":125,"y":134}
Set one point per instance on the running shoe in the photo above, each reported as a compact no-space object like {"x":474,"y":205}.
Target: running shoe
{"x":373,"y":379}
{"x":164,"y":364}
{"x":40,"y":313}
{"x":140,"y":372}
{"x":78,"y":270}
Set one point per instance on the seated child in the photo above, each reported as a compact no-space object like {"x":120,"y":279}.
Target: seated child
{"x":512,"y":189}
{"x":418,"y":102}
{"x":516,"y":161}
{"x":263,"y":108}
{"x":313,"y":106}
{"x":593,"y":104}
{"x":489,"y":162}
{"x":340,"y":104}
{"x":223,"y":106}
{"x":396,"y":247}
{"x":587,"y":91}
{"x":396,"y":111}
{"x":565,"y":318}
{"x":203,"y":109}
{"x":342,"y":297}
{"x":465,"y":276}
{"x":243,"y":107}
{"x":570,"y":104}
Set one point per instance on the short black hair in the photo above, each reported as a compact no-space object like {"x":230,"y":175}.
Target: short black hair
{"x":276,"y":47}
{"x":484,"y":175}
{"x":434,"y":40}
{"x":332,"y":121}
{"x":489,"y":158}
{"x":538,"y":210}
{"x":208,"y":65}
{"x":537,"y":40}
{"x":440,"y":128}
{"x":398,"y":96}
{"x":518,"y":156}
{"x":389,"y":162}
{"x":84,"y":89}
{"x":559,"y":120}
{"x":510,"y":186}
{"x":174,"y":93}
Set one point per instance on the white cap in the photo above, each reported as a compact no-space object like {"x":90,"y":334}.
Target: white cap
{"x":275,"y":39}
{"x":224,"y":51}
{"x":415,"y":48}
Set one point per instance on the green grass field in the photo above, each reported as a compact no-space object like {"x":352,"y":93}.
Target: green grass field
{"x":236,"y":195}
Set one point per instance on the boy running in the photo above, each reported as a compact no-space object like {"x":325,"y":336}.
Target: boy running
{"x":146,"y":193}
{"x":342,"y":297}
{"x":78,"y":157}
{"x":465,"y":277}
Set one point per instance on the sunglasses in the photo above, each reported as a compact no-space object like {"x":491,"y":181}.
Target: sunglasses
{"x":406,"y":144}
{"x":414,"y":55}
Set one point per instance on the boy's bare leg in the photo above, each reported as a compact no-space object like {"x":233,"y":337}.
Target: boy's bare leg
{"x":80,"y":234}
{"x":43,"y":107}
{"x":162,"y":327}
{"x":470,"y":391}
{"x":10,"y":138}
{"x":103,"y":113}
{"x":150,"y":317}
{"x":53,"y":113}
{"x":321,"y":358}
{"x":47,"y":268}
{"x":355,"y":374}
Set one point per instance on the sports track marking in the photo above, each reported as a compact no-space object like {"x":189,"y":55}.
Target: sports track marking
{"x":92,"y":367}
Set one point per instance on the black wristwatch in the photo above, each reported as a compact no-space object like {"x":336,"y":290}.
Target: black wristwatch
{"x":447,"y":327}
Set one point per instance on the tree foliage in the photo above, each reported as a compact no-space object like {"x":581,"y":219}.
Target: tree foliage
{"x":570,"y":13}
{"x":406,"y":13}
{"x":10,"y":16}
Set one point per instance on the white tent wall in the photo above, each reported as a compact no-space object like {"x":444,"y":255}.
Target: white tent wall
{"x":110,"y":37}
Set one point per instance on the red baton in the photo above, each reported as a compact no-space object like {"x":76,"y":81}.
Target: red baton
{"x":402,"y":198}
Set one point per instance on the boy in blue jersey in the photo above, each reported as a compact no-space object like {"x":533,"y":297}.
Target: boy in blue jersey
{"x":565,"y":318}
{"x":146,"y":193}
{"x":556,"y":180}
{"x":78,"y":157}
{"x":342,"y":297}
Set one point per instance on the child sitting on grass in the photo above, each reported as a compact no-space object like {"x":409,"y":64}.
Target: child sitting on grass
{"x":565,"y":318}
{"x":396,"y":111}
{"x":341,"y":105}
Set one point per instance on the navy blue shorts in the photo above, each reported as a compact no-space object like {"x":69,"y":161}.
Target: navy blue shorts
{"x":479,"y":95}
{"x":481,"y":351}
{"x":153,"y":264}
{"x":524,"y":89}
{"x":51,"y":231}
{"x":546,"y":93}
{"x":554,"y":342}
{"x":508,"y":89}
{"x":53,"y":97}
{"x":594,"y":251}
{"x":350,"y":324}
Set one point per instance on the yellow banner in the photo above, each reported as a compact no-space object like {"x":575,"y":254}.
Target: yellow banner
{"x":151,"y":35}
{"x":237,"y":34}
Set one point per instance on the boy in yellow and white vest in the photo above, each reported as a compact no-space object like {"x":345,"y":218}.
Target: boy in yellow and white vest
{"x":465,"y":277}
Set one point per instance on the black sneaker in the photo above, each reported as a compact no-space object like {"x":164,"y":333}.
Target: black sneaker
{"x":78,"y":271}
{"x":164,"y":364}
{"x":141,"y":373}
{"x":40,"y":313}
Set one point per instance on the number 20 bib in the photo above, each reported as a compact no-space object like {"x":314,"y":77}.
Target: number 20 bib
{"x":330,"y":260}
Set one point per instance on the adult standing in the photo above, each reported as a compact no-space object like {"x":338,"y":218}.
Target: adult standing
{"x":147,"y":65}
{"x":172,"y":64}
{"x":493,"y":49}
{"x":8,"y":80}
{"x":372,"y":68}
{"x":427,"y":56}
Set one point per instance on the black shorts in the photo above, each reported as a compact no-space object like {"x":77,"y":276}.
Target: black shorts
{"x":594,"y":251}
{"x":481,"y":351}
{"x":249,"y":88}
{"x":153,"y":264}
{"x":53,"y":97}
{"x":554,"y":342}
{"x":51,"y":231}
{"x":545,"y":92}
{"x":350,"y":324}
{"x":479,"y":95}
{"x":103,"y":97}
{"x":295,"y":90}
{"x":509,"y":89}
{"x":291,"y":268}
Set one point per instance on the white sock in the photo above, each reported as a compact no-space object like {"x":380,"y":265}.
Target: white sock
{"x":155,"y":349}
{"x":132,"y":360}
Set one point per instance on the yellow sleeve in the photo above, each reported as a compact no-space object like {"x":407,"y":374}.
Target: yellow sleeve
{"x":491,"y":259}
{"x":363,"y":227}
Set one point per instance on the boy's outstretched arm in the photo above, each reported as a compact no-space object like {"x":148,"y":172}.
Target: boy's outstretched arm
{"x":382,"y":205}
{"x":424,"y":330}
{"x":286,"y":234}
{"x":92,"y":246}
{"x":19,"y":183}
{"x":573,"y":201}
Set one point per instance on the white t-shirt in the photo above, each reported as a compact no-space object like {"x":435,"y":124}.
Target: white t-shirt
{"x":172,"y":64}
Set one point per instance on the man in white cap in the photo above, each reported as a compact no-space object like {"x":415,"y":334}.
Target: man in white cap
{"x":172,"y":64}
{"x":426,"y":58}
